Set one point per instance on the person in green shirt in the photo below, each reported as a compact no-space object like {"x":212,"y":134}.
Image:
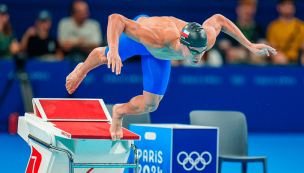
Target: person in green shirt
{"x":9,"y":45}
{"x":234,"y":52}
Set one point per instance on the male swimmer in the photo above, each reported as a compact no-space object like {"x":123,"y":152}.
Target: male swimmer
{"x":159,"y":39}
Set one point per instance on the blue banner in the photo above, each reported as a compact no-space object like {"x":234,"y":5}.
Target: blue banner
{"x":194,"y":150}
{"x":271,"y":97}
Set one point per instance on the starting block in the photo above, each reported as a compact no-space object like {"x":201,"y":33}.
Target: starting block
{"x":65,"y":134}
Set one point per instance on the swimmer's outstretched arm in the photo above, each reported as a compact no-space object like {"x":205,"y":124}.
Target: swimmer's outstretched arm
{"x":217,"y":23}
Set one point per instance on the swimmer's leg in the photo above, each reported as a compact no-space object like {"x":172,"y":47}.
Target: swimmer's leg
{"x":156,"y":75}
{"x":148,"y":102}
{"x":96,"y":58}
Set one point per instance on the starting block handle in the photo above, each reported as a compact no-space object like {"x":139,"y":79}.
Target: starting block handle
{"x":73,"y":165}
{"x":39,"y":141}
{"x":50,"y":147}
{"x":104,"y":165}
{"x":112,"y":165}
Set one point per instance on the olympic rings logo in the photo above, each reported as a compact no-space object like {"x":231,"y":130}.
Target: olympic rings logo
{"x":194,"y":162}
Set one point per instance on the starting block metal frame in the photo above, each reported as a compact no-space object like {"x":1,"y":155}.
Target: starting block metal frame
{"x":88,"y":165}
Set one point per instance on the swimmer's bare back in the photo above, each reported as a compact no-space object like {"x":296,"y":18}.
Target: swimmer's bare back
{"x":157,"y":34}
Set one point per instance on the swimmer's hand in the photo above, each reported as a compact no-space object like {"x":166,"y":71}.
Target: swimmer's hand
{"x":74,"y":79}
{"x":114,"y":59}
{"x":261,"y":49}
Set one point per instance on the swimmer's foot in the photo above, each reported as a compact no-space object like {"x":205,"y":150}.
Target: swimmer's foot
{"x":116,"y":126}
{"x":74,"y":79}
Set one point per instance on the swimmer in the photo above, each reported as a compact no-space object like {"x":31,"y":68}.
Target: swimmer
{"x":158,"y":40}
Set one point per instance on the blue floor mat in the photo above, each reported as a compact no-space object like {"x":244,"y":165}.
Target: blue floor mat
{"x":284,"y":153}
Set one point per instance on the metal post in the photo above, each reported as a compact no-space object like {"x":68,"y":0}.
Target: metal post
{"x":136,"y":160}
{"x":60,"y":150}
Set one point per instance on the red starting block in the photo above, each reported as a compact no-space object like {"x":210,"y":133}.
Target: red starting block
{"x":79,"y":129}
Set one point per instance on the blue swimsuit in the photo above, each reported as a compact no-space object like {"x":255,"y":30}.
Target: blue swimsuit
{"x":156,"y":72}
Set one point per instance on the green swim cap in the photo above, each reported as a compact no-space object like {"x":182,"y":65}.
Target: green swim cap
{"x":194,"y":35}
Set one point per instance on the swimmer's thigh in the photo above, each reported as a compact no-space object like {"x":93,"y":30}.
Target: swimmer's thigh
{"x":156,"y":74}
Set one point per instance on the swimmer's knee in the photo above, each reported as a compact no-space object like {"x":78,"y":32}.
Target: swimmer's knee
{"x":100,"y":51}
{"x":151,"y":101}
{"x":151,"y":105}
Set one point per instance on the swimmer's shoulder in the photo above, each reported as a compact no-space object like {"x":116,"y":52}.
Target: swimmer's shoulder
{"x":180,"y":24}
{"x":166,"y":19}
{"x":167,"y":28}
{"x":171,"y":28}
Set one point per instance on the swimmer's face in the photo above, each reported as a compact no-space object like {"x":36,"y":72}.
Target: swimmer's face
{"x":193,"y":54}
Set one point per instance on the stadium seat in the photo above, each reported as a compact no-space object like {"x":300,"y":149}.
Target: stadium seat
{"x":232,"y":136}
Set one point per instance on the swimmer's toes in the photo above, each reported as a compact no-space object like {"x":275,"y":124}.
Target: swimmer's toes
{"x":121,"y":135}
{"x":113,"y":136}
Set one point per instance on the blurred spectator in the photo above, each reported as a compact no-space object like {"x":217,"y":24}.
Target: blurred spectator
{"x":78,"y":34}
{"x":235,"y":52}
{"x":286,"y":34}
{"x":37,"y":41}
{"x":9,"y":45}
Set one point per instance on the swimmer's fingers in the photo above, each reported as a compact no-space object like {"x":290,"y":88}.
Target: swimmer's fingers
{"x":267,"y":53}
{"x":259,"y":51}
{"x":118,"y":67}
{"x":109,"y":62}
{"x":272,"y":50}
{"x":113,"y":66}
{"x":264,"y":51}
